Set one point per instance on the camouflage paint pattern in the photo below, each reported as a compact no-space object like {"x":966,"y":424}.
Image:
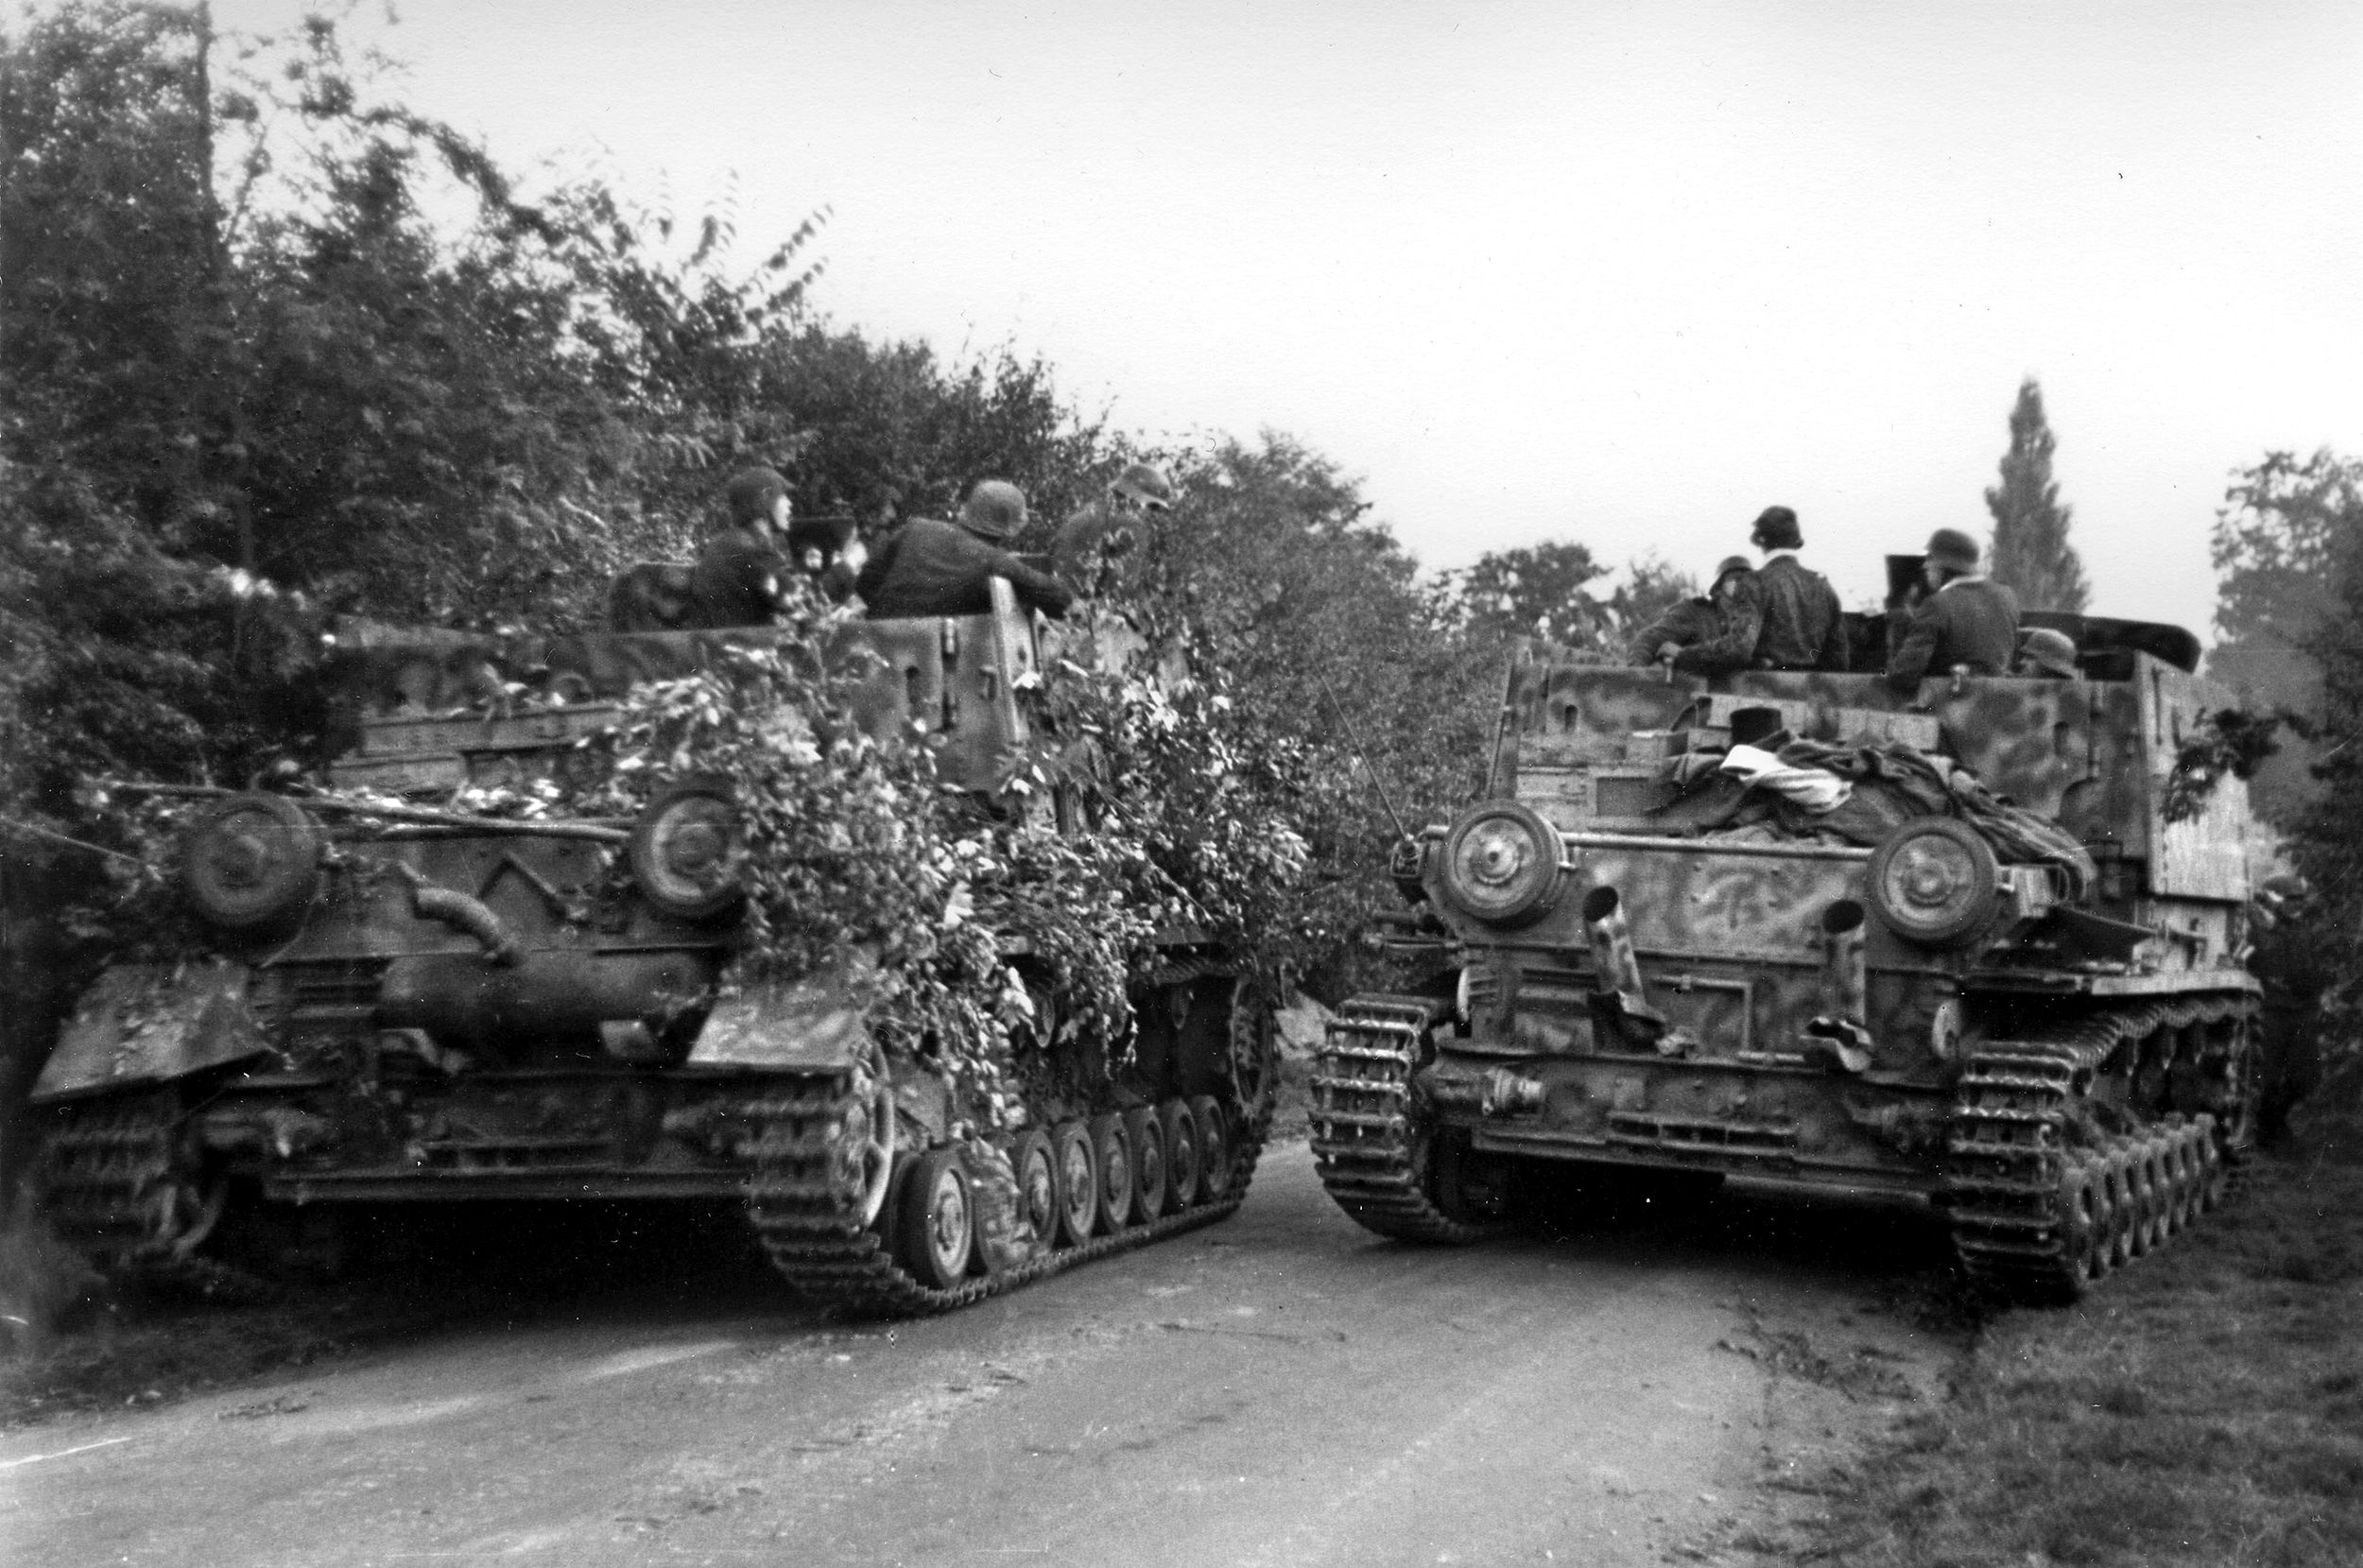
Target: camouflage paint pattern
{"x":1731,"y":936}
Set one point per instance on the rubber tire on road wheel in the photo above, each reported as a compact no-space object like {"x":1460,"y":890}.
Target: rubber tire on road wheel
{"x":1182,"y":1162}
{"x":1079,"y":1183}
{"x":1112,"y":1156}
{"x":1214,"y":1148}
{"x":1149,"y":1163}
{"x":1036,"y":1166}
{"x":938,"y":1230}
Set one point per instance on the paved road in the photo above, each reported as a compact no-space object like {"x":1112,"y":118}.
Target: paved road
{"x":1281,"y":1389}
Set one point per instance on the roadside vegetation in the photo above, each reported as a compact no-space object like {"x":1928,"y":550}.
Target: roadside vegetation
{"x":277,"y":348}
{"x":2203,"y":1409}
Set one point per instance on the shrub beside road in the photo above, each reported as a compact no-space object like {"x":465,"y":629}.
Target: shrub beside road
{"x":2203,"y":1407}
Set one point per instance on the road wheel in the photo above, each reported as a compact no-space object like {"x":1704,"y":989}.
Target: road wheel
{"x":1214,"y":1148}
{"x":939,"y":1220}
{"x":1079,"y":1183}
{"x":2083,"y":1211}
{"x":1111,"y":1153}
{"x":1036,"y":1165}
{"x":1183,"y":1170}
{"x":2214,"y":1181}
{"x":2124,"y":1213}
{"x":1149,"y":1163}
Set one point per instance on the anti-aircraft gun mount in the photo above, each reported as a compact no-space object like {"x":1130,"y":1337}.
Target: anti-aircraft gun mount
{"x":417,"y":1007}
{"x":1844,"y":965}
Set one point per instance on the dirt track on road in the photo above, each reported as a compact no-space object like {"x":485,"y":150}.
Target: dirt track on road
{"x":1282,"y":1388}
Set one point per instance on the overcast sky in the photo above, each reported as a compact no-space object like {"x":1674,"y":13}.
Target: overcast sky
{"x":1624,"y":273}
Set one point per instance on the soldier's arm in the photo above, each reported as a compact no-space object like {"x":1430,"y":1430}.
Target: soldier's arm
{"x":1643,"y":648}
{"x":1735,"y":645}
{"x":1909,"y":661}
{"x":1835,"y":656}
{"x":1039,"y":590}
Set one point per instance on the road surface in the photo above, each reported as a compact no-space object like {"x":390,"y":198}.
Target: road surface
{"x":1279,"y":1388}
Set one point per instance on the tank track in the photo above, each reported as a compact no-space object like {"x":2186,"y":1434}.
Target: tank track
{"x":1366,"y":1148}
{"x":804,"y":1197}
{"x":112,"y":1179}
{"x":2044,"y":1200}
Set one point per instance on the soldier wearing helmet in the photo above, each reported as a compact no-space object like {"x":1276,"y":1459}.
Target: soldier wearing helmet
{"x":2045,"y":654}
{"x":1967,"y":620}
{"x":928,"y":567}
{"x":740,"y":572}
{"x":1783,"y":615}
{"x":1092,"y":539}
{"x":1700,"y":619}
{"x":2285,"y":955}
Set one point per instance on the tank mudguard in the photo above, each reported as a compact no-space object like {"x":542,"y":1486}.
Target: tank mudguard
{"x":144,"y":1024}
{"x":815,"y":1023}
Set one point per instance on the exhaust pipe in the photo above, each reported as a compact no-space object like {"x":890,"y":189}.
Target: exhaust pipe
{"x":1845,"y":985}
{"x":1617,"y":998}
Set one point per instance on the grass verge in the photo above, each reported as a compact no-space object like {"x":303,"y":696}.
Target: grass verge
{"x":2202,"y":1407}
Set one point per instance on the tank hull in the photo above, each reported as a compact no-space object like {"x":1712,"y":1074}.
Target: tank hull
{"x":409,"y":1005}
{"x":1860,"y":971}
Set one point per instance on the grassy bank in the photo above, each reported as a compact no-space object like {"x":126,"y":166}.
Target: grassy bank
{"x":2203,"y":1407}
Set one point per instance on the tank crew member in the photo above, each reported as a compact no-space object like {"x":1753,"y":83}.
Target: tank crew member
{"x":2045,"y":654}
{"x":2286,"y":959}
{"x":1782,"y":617}
{"x":1967,"y":618}
{"x":1699,"y":619}
{"x":827,"y":551}
{"x":738,"y":576}
{"x":928,"y":567}
{"x":1098,"y":533}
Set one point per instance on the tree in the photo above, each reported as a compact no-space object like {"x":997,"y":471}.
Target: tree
{"x":1543,"y":590}
{"x":1533,"y":591}
{"x":2032,"y":552}
{"x":1309,"y":617}
{"x":2276,"y":548}
{"x":2288,"y":550}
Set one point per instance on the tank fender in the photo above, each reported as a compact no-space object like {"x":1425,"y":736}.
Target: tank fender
{"x":144,"y":1024}
{"x":815,"y":1022}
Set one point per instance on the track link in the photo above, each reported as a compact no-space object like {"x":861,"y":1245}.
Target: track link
{"x":804,"y":1197}
{"x":2042,"y":1203}
{"x":1368,"y":1145}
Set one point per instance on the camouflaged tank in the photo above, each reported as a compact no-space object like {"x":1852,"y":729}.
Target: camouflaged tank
{"x":2045,"y":1030}
{"x":442,"y":1011}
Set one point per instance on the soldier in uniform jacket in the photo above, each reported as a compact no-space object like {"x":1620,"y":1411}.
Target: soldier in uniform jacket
{"x":738,"y":576}
{"x":1699,"y":619}
{"x":928,"y":567}
{"x":1095,"y":536}
{"x":1967,"y":619}
{"x":1783,"y":616}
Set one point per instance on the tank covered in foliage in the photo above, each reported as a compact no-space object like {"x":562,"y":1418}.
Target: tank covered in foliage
{"x":789,"y":915}
{"x":1981,"y":943}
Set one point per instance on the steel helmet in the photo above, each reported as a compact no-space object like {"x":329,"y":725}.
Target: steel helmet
{"x":995,"y":509}
{"x":751,"y":492}
{"x":2053,"y":652}
{"x":1146,"y":484}
{"x":1776,"y":530}
{"x":1953,"y":548}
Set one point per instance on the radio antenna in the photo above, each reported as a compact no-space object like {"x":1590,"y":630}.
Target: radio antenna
{"x":1377,"y":787}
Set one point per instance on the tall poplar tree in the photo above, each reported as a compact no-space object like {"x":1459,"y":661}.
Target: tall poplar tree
{"x":2032,"y":552}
